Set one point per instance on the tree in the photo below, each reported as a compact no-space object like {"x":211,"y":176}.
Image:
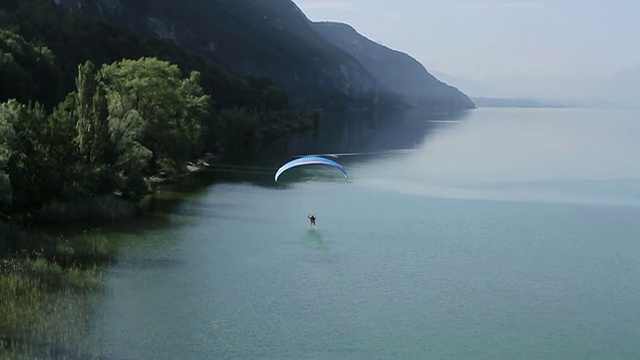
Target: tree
{"x":131,"y":158}
{"x":172,"y":108}
{"x":101,"y":143}
{"x":86,"y":84}
{"x":93,"y":138}
{"x":241,"y":132}
{"x":7,"y":136}
{"x":28,"y":71}
{"x":29,"y":169}
{"x":79,"y":178}
{"x":43,"y":162}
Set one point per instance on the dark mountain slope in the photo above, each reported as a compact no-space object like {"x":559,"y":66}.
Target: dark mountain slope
{"x":265,"y":38}
{"x":75,"y":38}
{"x":395,"y":70}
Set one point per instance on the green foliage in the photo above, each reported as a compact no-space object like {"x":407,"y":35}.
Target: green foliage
{"x":87,"y":86}
{"x":92,"y":129}
{"x":131,"y":157}
{"x":35,"y":269}
{"x":172,"y":108}
{"x":266,"y":95}
{"x":7,"y":137}
{"x":100,"y":140}
{"x":29,"y":169}
{"x":34,"y":318}
{"x":241,"y":132}
{"x":131,"y":119}
{"x":27,"y":71}
{"x":63,"y":150}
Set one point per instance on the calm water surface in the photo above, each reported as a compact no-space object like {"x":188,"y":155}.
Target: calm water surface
{"x":497,"y":234}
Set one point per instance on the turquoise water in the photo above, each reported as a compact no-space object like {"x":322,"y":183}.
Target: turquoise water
{"x":496,"y":234}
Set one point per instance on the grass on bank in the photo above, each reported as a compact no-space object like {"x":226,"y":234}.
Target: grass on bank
{"x":44,"y":306}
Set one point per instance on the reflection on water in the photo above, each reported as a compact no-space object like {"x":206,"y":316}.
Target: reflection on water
{"x":351,"y":138}
{"x":371,"y":131}
{"x":314,"y":239}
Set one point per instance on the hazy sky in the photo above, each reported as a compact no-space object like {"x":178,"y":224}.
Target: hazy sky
{"x":515,"y":47}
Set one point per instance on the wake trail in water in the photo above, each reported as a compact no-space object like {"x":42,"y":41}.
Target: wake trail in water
{"x":369,"y":153}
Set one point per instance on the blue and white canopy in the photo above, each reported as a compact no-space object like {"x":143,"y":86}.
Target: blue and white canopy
{"x":309,"y":160}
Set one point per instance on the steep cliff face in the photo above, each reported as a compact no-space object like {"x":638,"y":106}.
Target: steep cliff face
{"x":304,"y":58}
{"x":318,"y":64}
{"x":101,"y":7}
{"x":267,"y":38}
{"x":395,"y":70}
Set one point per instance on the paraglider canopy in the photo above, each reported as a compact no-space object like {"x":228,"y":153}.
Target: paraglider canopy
{"x":309,"y":160}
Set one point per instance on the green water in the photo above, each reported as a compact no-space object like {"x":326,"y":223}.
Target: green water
{"x":504,"y":234}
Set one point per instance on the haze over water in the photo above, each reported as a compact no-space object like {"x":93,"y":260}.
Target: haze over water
{"x":499,"y":233}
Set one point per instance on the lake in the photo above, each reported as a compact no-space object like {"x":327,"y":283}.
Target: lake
{"x":490,"y":234}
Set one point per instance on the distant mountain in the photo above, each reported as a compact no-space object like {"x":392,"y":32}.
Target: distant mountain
{"x":591,"y":90}
{"x":470,"y":87}
{"x":506,"y":102}
{"x":274,"y":39}
{"x":622,"y":89}
{"x":524,"y":102}
{"x":396,"y":70}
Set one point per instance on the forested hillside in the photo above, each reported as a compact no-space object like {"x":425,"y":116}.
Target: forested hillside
{"x":79,"y":120}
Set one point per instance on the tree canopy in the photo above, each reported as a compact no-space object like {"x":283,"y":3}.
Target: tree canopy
{"x":172,"y":108}
{"x":125,"y":121}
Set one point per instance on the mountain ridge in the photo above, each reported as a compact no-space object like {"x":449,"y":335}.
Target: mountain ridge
{"x":273,"y":39}
{"x":395,"y":69}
